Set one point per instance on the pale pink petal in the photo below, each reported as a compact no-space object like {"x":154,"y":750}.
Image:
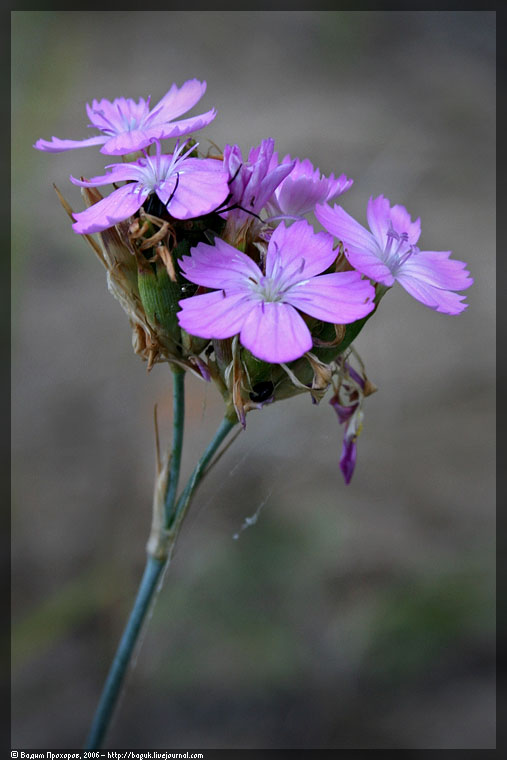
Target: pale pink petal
{"x":339,"y":298}
{"x":378,"y":216}
{"x":118,"y":206}
{"x":166,"y":188}
{"x":126,"y":142}
{"x":338,"y":186}
{"x":106,"y":115}
{"x":55,"y":145}
{"x":262,"y":186}
{"x":214,"y":315}
{"x":402,"y":222}
{"x":129,"y":142}
{"x":201,"y":188}
{"x":437,"y":269}
{"x":444,"y":301}
{"x":118,"y":173}
{"x":275,"y":332}
{"x":299,"y":196}
{"x":183,"y":126}
{"x":176,"y":101}
{"x":370,"y":266}
{"x":361,"y":247}
{"x":220,"y":266}
{"x":300,"y":245}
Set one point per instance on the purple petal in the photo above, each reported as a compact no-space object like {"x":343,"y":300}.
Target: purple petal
{"x":381,"y":216}
{"x":129,"y":142}
{"x":361,"y":248}
{"x":214,"y":315}
{"x":377,"y":214}
{"x":402,"y":222}
{"x":220,"y":266}
{"x":106,"y":115}
{"x":165,"y":188}
{"x":344,"y":412}
{"x":299,"y":243}
{"x":275,"y":332}
{"x":265,"y":189}
{"x":348,"y":459}
{"x":444,"y":301}
{"x":437,"y":269}
{"x":183,"y":126}
{"x":176,"y":101}
{"x":338,"y":186}
{"x":126,"y":142}
{"x":58,"y":146}
{"x":201,"y":188}
{"x":118,"y":173}
{"x":118,"y":206}
{"x":340,"y":298}
{"x":299,"y":196}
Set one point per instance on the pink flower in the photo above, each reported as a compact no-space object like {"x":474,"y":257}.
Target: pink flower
{"x":188,"y":187}
{"x":263,"y":306}
{"x":251,"y":182}
{"x":304,"y":187}
{"x":389,"y":253}
{"x":128,"y":126}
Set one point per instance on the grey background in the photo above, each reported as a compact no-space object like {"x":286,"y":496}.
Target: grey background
{"x":347,"y":617}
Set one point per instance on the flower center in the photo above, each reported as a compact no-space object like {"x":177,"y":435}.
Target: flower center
{"x":396,"y":256}
{"x":125,"y":118}
{"x":267,"y":289}
{"x":159,"y":168}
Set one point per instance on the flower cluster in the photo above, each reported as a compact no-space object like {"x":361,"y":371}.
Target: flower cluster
{"x":219,"y":270}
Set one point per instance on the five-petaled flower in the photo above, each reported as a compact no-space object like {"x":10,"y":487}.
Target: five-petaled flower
{"x":389,"y":253}
{"x":188,"y":187}
{"x":263,"y":306}
{"x":128,"y":126}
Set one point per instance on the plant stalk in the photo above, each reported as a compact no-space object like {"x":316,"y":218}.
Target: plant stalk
{"x":155,"y":566}
{"x":178,"y":427}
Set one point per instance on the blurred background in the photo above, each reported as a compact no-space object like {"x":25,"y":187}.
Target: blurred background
{"x":347,"y":617}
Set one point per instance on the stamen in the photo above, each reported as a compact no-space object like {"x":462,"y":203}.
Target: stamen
{"x":114,"y":130}
{"x":396,"y":258}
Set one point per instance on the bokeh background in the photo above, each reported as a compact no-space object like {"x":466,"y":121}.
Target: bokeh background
{"x":347,"y":617}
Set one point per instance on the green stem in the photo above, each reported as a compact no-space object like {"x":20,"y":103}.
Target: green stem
{"x":178,"y":426}
{"x":183,"y":502}
{"x":117,"y":672}
{"x":146,"y":593}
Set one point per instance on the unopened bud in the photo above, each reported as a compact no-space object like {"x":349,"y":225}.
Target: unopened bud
{"x":160,"y":296}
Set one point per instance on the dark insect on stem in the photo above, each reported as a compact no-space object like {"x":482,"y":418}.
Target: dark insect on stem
{"x":262,"y":391}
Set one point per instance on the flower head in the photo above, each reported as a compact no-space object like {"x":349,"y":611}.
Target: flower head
{"x":188,"y":187}
{"x":251,"y":182}
{"x":128,"y":126}
{"x":389,"y":253}
{"x":263,"y":306}
{"x":304,"y":187}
